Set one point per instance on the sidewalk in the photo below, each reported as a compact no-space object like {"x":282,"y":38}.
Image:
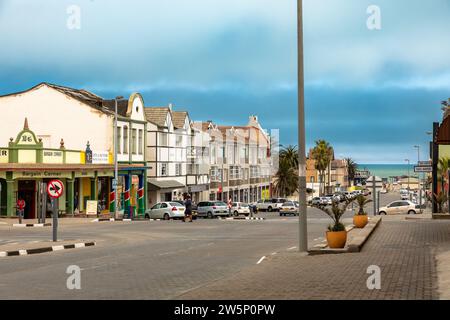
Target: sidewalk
{"x":408,"y":253}
{"x":61,"y":221}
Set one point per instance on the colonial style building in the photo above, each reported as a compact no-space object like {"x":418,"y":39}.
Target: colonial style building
{"x":168,"y":138}
{"x":85,"y":123}
{"x":240,"y":161}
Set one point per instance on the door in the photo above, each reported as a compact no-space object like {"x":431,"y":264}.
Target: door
{"x":163,"y":210}
{"x":393,"y":208}
{"x":154,"y":211}
{"x":27,"y":192}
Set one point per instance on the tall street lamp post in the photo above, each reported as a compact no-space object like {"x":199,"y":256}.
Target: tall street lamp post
{"x":303,"y":228}
{"x":116,"y":160}
{"x":407,"y":160}
{"x":419,"y":176}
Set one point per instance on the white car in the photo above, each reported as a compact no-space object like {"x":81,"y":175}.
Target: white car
{"x":270,"y":204}
{"x":399,"y":207}
{"x":290,"y":207}
{"x":238,"y":208}
{"x":166,"y":211}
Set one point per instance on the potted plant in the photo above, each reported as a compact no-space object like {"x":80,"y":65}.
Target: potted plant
{"x":336,"y":234}
{"x":360,"y":219}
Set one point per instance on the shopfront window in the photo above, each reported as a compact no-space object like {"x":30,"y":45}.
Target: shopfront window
{"x":103,"y":193}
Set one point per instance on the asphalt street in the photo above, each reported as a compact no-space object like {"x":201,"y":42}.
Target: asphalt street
{"x":150,"y":260}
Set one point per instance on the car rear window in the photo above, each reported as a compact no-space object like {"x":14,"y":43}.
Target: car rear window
{"x":175,"y":204}
{"x":219,"y":203}
{"x":288,"y":204}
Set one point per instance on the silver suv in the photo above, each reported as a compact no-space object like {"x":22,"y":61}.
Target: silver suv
{"x":212,"y":209}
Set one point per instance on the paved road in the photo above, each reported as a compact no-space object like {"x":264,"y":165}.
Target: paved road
{"x":149,"y":260}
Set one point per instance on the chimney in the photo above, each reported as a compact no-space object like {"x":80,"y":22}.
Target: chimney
{"x":25,"y":125}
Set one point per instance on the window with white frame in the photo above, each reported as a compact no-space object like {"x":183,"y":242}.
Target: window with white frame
{"x":164,"y":172}
{"x":119,"y":140}
{"x":125,"y":140}
{"x":163,"y":140}
{"x":179,"y":140}
{"x":178,"y":169}
{"x":141,"y":141}
{"x":134,"y":141}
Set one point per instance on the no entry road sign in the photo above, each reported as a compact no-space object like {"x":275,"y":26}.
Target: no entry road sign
{"x":55,"y":189}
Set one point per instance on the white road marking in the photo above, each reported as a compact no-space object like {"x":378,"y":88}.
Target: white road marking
{"x":292,"y":248}
{"x":261,"y":260}
{"x":274,"y":253}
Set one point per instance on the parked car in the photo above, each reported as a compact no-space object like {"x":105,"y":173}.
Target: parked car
{"x":212,"y":209}
{"x":315,"y":201}
{"x":240,"y":208}
{"x":399,"y":207}
{"x":166,"y":211}
{"x":326,"y":201}
{"x":404,"y":196}
{"x":289,"y":207}
{"x":270,"y":204}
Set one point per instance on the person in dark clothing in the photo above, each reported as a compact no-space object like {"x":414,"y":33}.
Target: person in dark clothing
{"x":188,"y":211}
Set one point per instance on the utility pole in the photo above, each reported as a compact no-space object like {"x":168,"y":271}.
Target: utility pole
{"x":303,"y":218}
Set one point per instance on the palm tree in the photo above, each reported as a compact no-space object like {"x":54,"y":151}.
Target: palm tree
{"x":352,"y":166}
{"x":290,"y":155}
{"x":322,"y":154}
{"x":362,"y":202}
{"x":286,"y":179}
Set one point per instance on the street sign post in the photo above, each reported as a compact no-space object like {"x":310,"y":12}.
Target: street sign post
{"x":376,"y":183}
{"x":55,"y":189}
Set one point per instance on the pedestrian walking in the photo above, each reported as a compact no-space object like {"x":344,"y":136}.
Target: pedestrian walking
{"x":188,"y":211}
{"x":229,"y":205}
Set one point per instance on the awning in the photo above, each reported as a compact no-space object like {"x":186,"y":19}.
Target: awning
{"x":164,"y":184}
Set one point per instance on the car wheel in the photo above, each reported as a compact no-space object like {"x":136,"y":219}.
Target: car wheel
{"x":147,"y":217}
{"x":411,"y":212}
{"x":236,"y":213}
{"x":269,"y":209}
{"x":166,"y":216}
{"x":383,"y":212}
{"x":210,"y":215}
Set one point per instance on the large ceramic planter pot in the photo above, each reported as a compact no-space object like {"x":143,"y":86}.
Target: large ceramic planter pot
{"x":360,"y":221}
{"x":336,"y":239}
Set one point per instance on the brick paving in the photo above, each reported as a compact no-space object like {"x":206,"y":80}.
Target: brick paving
{"x":404,"y":250}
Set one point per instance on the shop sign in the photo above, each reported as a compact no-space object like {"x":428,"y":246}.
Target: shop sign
{"x":91,"y":208}
{"x":4,"y":157}
{"x":41,"y":174}
{"x":100,"y":157}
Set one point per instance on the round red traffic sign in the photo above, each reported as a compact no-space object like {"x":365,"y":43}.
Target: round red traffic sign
{"x":55,"y":189}
{"x":21,"y":204}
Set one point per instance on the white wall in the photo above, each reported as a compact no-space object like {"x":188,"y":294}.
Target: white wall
{"x":55,"y":115}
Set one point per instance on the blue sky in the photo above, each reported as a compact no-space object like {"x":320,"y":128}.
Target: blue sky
{"x":372,"y":93}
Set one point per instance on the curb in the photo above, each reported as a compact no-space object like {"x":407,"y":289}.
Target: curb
{"x":121,"y":220}
{"x":355,"y":244}
{"x":31,"y":225}
{"x":46,"y":249}
{"x":241,"y":219}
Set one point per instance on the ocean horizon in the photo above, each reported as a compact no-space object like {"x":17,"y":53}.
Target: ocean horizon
{"x":388,"y":170}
